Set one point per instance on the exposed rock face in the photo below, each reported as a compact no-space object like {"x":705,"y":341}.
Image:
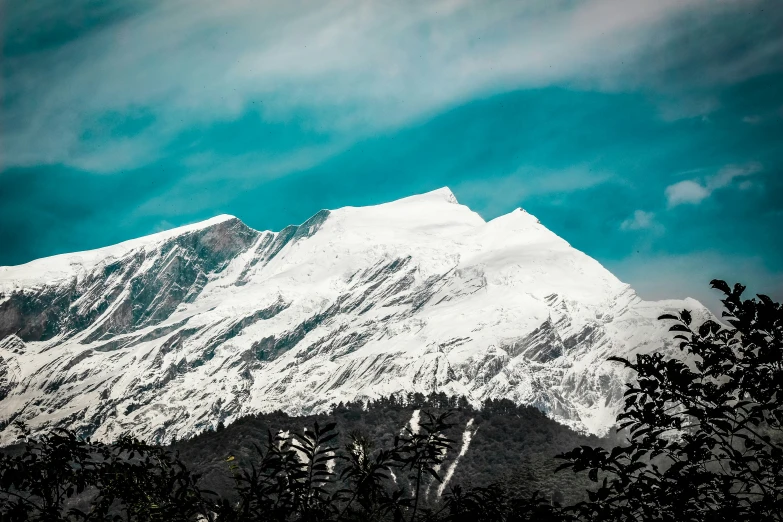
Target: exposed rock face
{"x":168,"y":334}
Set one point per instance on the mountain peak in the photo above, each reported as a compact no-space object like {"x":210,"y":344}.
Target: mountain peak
{"x":65,"y":266}
{"x":178,"y":231}
{"x":443,"y":194}
{"x":430,"y":211}
{"x":211,"y":221}
{"x":175,"y":332}
{"x":170,"y":233}
{"x":446,"y":194}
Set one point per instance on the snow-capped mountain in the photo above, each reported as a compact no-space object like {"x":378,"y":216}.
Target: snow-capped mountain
{"x":168,"y":334}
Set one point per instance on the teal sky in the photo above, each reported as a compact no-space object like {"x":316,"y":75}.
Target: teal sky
{"x":647,"y":134}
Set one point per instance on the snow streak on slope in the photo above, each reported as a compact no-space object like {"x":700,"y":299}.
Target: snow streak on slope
{"x":169,"y":334}
{"x":467,"y":436}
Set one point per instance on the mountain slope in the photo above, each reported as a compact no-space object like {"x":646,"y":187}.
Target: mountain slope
{"x":168,"y":334}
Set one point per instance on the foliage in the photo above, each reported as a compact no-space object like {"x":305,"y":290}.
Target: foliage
{"x":704,"y":434}
{"x":128,"y":480}
{"x":294,"y":479}
{"x":513,"y":444}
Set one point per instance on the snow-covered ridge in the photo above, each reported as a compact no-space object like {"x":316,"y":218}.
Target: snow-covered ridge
{"x":48,"y":270}
{"x":168,"y":334}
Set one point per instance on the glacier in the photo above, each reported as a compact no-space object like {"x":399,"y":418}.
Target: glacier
{"x":167,"y":335}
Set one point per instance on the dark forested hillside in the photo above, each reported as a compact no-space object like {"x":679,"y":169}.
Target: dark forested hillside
{"x":514,"y":445}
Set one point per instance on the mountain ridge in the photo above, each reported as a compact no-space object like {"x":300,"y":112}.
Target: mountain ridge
{"x":171,"y":333}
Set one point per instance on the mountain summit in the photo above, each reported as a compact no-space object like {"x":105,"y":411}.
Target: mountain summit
{"x":167,"y":335}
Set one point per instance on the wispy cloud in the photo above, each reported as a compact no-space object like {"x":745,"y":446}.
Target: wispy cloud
{"x":349,"y":67}
{"x":728,"y":174}
{"x":640,"y":220}
{"x":492,"y":196}
{"x":694,"y":191}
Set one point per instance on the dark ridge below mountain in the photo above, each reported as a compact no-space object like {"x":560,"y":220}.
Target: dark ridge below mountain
{"x":511,"y":445}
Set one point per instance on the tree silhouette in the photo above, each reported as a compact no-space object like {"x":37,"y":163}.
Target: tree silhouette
{"x":46,"y":481}
{"x":704,"y":436}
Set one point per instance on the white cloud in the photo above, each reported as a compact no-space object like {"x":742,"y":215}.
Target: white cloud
{"x":729,"y":173}
{"x":687,"y":191}
{"x":694,"y":191}
{"x":351,"y":67}
{"x":639,"y":221}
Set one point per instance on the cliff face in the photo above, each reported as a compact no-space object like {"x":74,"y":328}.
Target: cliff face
{"x":168,"y":334}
